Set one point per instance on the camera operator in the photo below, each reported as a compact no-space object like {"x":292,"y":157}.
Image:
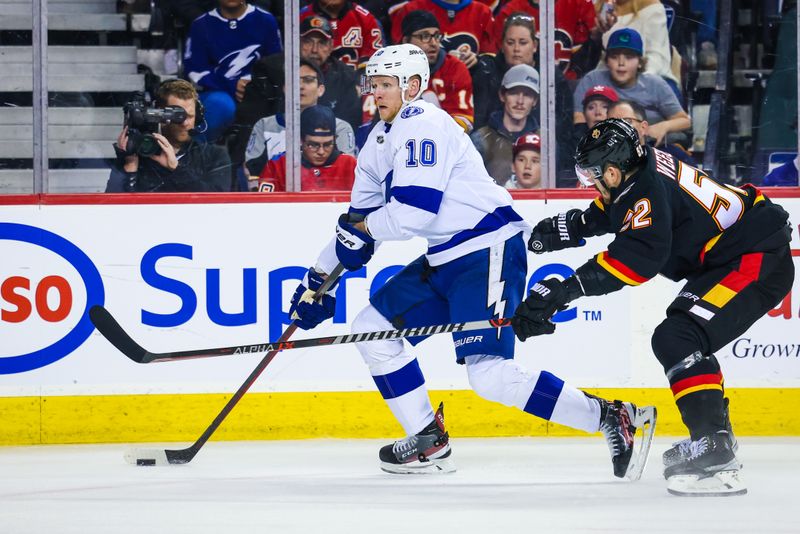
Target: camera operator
{"x":170,"y":161}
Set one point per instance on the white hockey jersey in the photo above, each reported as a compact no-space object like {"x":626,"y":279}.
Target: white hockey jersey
{"x":422,"y":176}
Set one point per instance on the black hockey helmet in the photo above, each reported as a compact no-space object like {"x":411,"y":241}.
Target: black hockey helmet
{"x":609,"y":142}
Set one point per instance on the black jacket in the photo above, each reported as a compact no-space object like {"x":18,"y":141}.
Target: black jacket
{"x":340,"y":91}
{"x":201,"y":167}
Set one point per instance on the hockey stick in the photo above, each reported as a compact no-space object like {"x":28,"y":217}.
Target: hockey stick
{"x":113,"y":332}
{"x":184,"y":456}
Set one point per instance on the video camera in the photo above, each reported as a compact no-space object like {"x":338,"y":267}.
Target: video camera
{"x":143,"y":121}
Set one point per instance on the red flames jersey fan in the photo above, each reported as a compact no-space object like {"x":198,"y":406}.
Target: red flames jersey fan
{"x":356,"y":33}
{"x":452,"y":85}
{"x":466,"y":27}
{"x":338,"y":175}
{"x":574,"y":20}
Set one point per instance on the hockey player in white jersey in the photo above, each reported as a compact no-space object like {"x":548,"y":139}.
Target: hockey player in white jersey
{"x":419,"y":175}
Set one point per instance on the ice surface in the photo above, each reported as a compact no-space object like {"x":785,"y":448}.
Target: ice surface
{"x":527,"y":485}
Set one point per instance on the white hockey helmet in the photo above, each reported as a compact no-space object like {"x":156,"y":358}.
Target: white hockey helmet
{"x":401,"y":61}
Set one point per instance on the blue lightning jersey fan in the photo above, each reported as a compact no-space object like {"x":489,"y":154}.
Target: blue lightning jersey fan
{"x":220,"y":51}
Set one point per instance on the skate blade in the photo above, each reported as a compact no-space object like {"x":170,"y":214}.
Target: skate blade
{"x":720,"y":484}
{"x":432,"y":467}
{"x":644,"y":421}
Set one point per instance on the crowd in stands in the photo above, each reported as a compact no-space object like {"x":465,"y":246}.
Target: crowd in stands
{"x":613,"y":59}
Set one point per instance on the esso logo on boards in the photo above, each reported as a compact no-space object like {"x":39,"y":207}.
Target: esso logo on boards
{"x":47,"y":285}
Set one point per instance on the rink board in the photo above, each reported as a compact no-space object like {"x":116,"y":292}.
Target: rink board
{"x":216,"y":270}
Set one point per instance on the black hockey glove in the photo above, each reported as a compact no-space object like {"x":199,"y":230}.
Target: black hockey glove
{"x":548,"y":297}
{"x":556,"y":233}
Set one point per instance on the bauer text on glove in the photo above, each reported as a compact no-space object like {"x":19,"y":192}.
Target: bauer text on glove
{"x":556,"y":233}
{"x":354,"y":247}
{"x":548,"y":297}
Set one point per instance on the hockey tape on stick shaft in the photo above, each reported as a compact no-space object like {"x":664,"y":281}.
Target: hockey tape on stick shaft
{"x":111,"y":329}
{"x":183,"y":456}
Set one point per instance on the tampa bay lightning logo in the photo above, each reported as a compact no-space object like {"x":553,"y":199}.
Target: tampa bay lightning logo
{"x":410,"y":111}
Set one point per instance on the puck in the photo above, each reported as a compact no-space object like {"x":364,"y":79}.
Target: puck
{"x":145,"y":461}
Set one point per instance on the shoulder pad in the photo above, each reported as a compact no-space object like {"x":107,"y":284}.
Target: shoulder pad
{"x":410,"y":111}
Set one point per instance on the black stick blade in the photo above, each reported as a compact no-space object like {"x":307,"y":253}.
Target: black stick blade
{"x":113,"y":332}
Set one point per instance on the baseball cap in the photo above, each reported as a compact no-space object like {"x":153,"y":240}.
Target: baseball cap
{"x":317,"y":120}
{"x":528,"y":141}
{"x":600,"y":91}
{"x":523,"y":75}
{"x":416,"y":20}
{"x":316,"y":23}
{"x":626,"y":38}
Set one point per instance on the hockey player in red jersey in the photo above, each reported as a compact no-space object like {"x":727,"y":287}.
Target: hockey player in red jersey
{"x":465,"y":25}
{"x":356,"y":33}
{"x":450,"y":83}
{"x":574,"y":20}
{"x":730,"y":245}
{"x":323,"y":167}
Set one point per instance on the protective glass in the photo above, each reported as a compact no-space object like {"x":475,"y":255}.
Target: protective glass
{"x":589,"y":175}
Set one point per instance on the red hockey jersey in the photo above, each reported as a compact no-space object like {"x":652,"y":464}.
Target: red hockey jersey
{"x":337,"y":176}
{"x":467,"y":28}
{"x":452,"y":84}
{"x":574,"y":20}
{"x":356,"y":33}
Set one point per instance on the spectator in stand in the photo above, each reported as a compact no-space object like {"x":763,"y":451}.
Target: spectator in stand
{"x":519,"y":47}
{"x":380,"y":9}
{"x":635,"y":115}
{"x":519,"y":93}
{"x":625,"y":64}
{"x":526,"y":163}
{"x":356,"y":33}
{"x":596,"y":101}
{"x":263,"y":97}
{"x":576,"y":53}
{"x":322,"y":166}
{"x":450,"y":85}
{"x":783,"y":176}
{"x":356,"y":36}
{"x":268,"y":139}
{"x":649,"y":19}
{"x":220,"y":51}
{"x":465,"y":25}
{"x":341,"y":94}
{"x":182,"y":164}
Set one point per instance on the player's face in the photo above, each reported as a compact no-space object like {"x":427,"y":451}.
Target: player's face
{"x":179,"y":133}
{"x":626,"y":113}
{"x":315,"y":48}
{"x":519,"y":46}
{"x":386,"y":90}
{"x":612,"y":178}
{"x":518,"y":102}
{"x":623,"y":65}
{"x":429,"y":40}
{"x":596,"y":110}
{"x":310,"y":89}
{"x":527,"y":167}
{"x":318,"y":148}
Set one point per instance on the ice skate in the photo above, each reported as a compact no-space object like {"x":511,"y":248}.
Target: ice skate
{"x":427,"y":452}
{"x":710,"y":469}
{"x":680,"y":449}
{"x":618,"y":423}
